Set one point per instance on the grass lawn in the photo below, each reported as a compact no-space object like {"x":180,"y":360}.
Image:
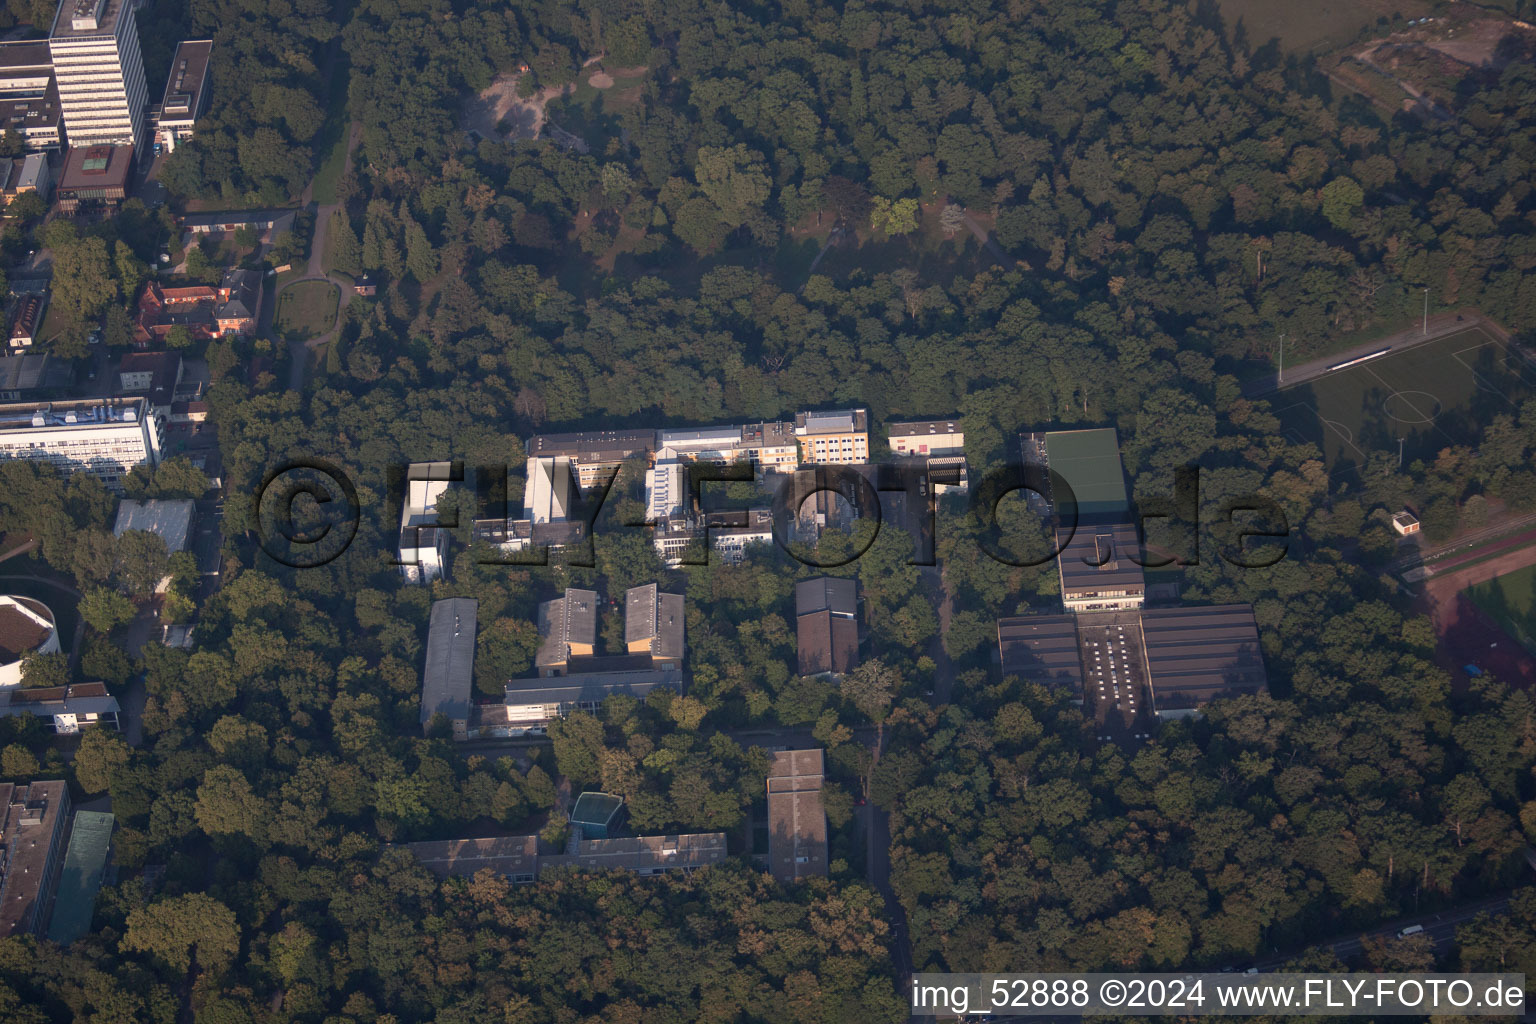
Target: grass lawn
{"x":1511,"y":601}
{"x":1309,"y":25}
{"x":332,"y":140}
{"x":307,"y":309}
{"x":1433,"y":396}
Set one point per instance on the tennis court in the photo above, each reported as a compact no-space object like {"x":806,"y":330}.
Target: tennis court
{"x":1435,"y":395}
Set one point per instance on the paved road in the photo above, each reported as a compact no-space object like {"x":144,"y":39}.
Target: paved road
{"x":1440,"y":927}
{"x":1441,"y":325}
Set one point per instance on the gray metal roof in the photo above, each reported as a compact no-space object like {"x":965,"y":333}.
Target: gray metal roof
{"x":584,"y":687}
{"x":170,"y":519}
{"x":449,"y":675}
{"x":569,"y":619}
{"x":1200,"y":653}
{"x":826,"y":593}
{"x":1041,"y":649}
{"x":650,"y":615}
{"x":1099,"y":558}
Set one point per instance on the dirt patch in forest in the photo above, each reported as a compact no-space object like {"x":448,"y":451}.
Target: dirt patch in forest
{"x":1423,"y":65}
{"x":498,"y":112}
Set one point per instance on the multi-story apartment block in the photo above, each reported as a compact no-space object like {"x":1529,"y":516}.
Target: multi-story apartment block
{"x":593,"y":453}
{"x":841,"y":436}
{"x":29,"y":96}
{"x":105,"y":438}
{"x":771,"y":446}
{"x":32,"y":819}
{"x":100,"y":73}
{"x":186,"y":93}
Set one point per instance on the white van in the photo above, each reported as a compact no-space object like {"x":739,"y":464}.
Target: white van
{"x":1413,"y":929}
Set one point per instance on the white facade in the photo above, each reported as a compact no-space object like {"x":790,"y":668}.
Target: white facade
{"x":100,"y":72}
{"x":664,"y":487}
{"x":547,"y":494}
{"x":423,"y":545}
{"x":29,"y":613}
{"x":105,"y":438}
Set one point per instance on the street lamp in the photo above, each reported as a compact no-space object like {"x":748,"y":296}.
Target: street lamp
{"x":1426,"y":312}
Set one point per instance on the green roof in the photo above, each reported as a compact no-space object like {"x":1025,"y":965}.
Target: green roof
{"x":595,"y":808}
{"x":1089,"y":461}
{"x":81,"y":878}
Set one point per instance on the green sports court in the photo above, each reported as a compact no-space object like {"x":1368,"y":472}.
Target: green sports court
{"x":1432,"y":396}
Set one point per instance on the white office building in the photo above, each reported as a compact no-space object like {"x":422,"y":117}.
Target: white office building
{"x":423,"y":544}
{"x":103,"y":437}
{"x":547,"y":494}
{"x":665,"y":484}
{"x":99,"y":71}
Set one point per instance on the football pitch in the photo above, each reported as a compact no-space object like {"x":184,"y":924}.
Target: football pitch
{"x":1431,"y":397}
{"x":1510,"y":600}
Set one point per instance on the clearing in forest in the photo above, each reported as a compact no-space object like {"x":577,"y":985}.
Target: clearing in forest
{"x":1431,"y":397}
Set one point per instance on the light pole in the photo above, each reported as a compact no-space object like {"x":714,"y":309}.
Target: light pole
{"x":1399,"y":453}
{"x":1426,"y":312}
{"x":1282,"y":357}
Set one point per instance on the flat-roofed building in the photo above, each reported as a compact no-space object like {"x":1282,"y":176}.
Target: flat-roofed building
{"x":653,"y":625}
{"x":1041,"y":649}
{"x":531,"y":704}
{"x":228,"y":221}
{"x":826,"y":625}
{"x":515,"y":857}
{"x":837,"y":437}
{"x":518,"y":859}
{"x":95,"y":177}
{"x":567,"y":629}
{"x":731,"y":534}
{"x":186,"y":93}
{"x":105,"y":438}
{"x":170,"y":519}
{"x":156,"y":375}
{"x":32,"y":824}
{"x":23,"y":174}
{"x":34,"y":376}
{"x":644,"y":855}
{"x":666,"y":488}
{"x":448,"y":679}
{"x":1405,"y":523}
{"x":85,"y":864}
{"x":65,"y":709}
{"x":423,"y":548}
{"x":1195,"y":655}
{"x":1089,"y":461}
{"x":797,"y":819}
{"x":593,"y":453}
{"x":94,"y":45}
{"x":770,"y":445}
{"x":1097,"y":568}
{"x":547,"y":496}
{"x":29,"y":94}
{"x":926,"y":437}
